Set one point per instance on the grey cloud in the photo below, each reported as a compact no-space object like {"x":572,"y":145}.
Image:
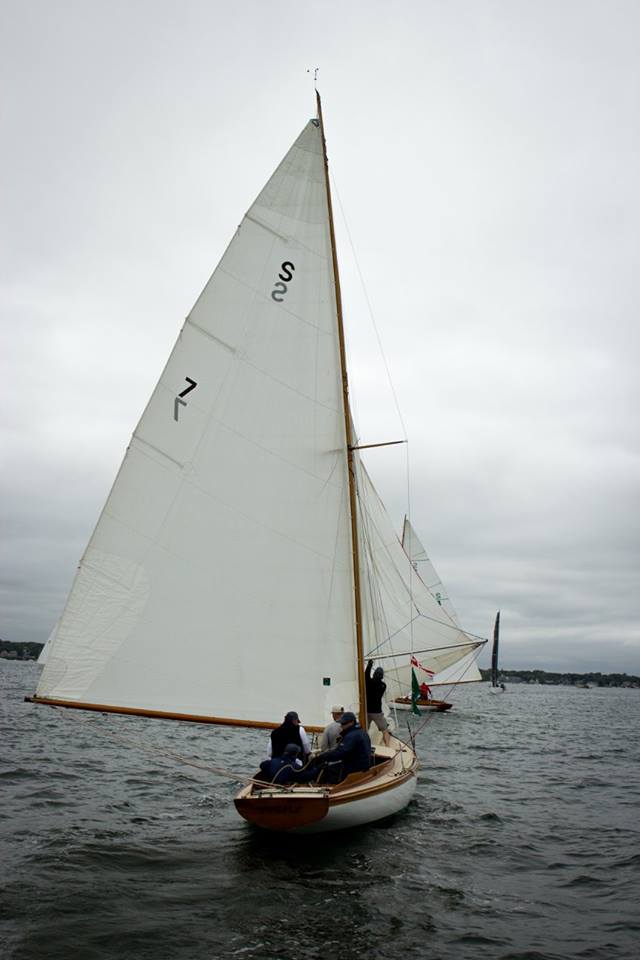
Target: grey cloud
{"x":490,"y":185}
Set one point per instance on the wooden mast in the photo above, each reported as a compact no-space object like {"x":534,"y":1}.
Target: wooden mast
{"x":355,"y":551}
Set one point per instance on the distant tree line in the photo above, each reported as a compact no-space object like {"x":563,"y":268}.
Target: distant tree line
{"x":31,"y":651}
{"x":544,"y":676}
{"x":20,"y":651}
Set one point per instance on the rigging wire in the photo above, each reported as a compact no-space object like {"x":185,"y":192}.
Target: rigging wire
{"x":369,"y":307}
{"x":467,"y":633}
{"x":410,"y":599}
{"x":233,"y":775}
{"x":387,"y":371}
{"x":375,"y":578}
{"x":378,"y":612}
{"x":414,"y":731}
{"x":413,"y":571}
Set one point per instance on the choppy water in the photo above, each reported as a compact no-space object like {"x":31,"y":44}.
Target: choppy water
{"x":522,"y":841}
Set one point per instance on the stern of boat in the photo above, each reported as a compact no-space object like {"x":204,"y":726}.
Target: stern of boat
{"x":361,"y":798}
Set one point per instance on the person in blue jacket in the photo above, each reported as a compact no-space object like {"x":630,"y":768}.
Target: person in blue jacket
{"x":285,"y":769}
{"x":351,"y":755}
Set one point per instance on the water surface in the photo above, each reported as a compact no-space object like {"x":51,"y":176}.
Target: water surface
{"x":522,"y":841}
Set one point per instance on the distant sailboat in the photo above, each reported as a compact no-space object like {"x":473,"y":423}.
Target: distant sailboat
{"x":248,"y":439}
{"x":496,"y":685}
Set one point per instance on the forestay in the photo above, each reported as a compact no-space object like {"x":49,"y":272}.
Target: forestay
{"x":218,"y":581}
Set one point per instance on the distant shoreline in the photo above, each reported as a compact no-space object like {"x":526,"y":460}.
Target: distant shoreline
{"x":31,"y":651}
{"x":566,"y":679}
{"x":19,"y":651}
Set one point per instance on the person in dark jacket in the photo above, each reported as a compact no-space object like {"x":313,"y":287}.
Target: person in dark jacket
{"x":375,"y":688}
{"x":352,"y":754}
{"x":289,"y":731}
{"x":285,"y":769}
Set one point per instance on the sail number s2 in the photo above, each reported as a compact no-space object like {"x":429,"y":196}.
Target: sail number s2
{"x":179,"y":401}
{"x":285,"y":276}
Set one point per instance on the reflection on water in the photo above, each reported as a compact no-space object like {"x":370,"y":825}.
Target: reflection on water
{"x":521,"y":841}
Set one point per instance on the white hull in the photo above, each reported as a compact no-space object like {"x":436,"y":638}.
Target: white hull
{"x":496,"y":690}
{"x":359,"y":812}
{"x":380,"y":794}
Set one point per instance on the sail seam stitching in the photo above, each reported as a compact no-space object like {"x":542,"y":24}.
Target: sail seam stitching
{"x":153,"y":447}
{"x":211,"y":336}
{"x":287,"y":386}
{"x":289,"y":240}
{"x":260,"y":294}
{"x":259,"y":223}
{"x":163,"y":548}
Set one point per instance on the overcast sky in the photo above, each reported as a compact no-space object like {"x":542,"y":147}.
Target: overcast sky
{"x":486,"y":156}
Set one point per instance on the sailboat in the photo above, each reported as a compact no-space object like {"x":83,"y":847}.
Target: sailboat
{"x":248,"y":441}
{"x":496,"y":685}
{"x":464,"y":670}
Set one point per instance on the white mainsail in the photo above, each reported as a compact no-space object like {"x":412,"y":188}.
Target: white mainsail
{"x":243,"y":441}
{"x":44,"y":653}
{"x":402,"y":616}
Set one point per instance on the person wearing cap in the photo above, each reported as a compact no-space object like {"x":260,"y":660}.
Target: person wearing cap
{"x":375,"y":688}
{"x":330,"y":734}
{"x":289,"y":731}
{"x":353,"y":753}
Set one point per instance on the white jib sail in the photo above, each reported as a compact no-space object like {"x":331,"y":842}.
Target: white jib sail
{"x":238,"y":465}
{"x":425,"y":568}
{"x":402,"y":617}
{"x":464,"y":671}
